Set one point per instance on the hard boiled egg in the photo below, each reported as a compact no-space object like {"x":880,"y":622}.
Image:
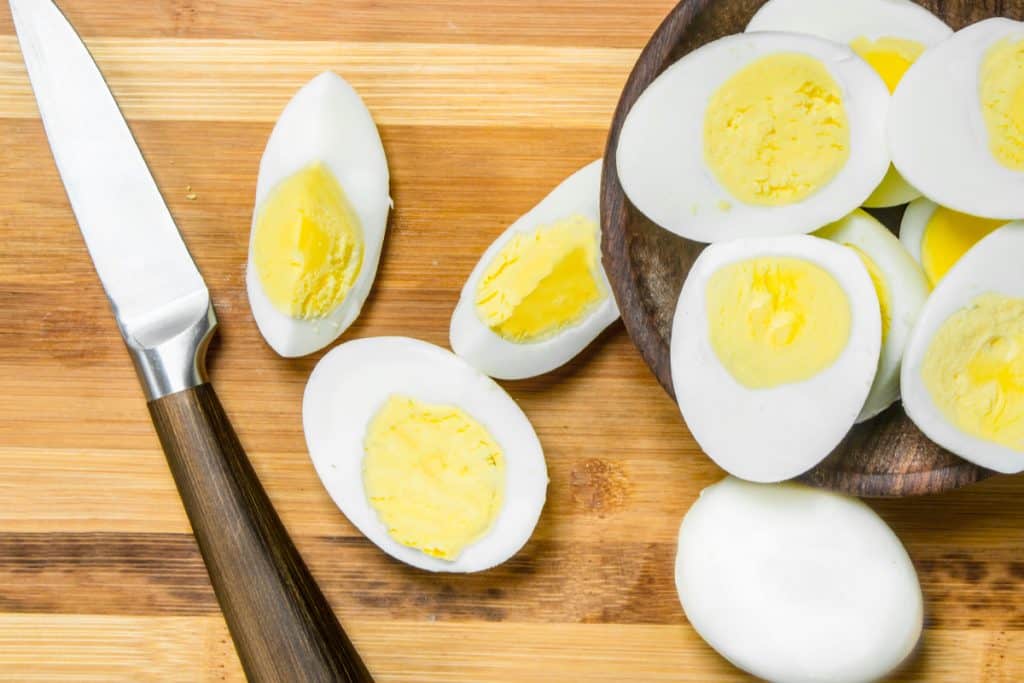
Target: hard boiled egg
{"x":888,"y":34}
{"x":539,"y":294}
{"x":955,"y":128}
{"x":937,"y":237}
{"x":755,"y":135}
{"x":902,"y":289}
{"x":318,"y":225}
{"x":963,"y":371}
{"x":427,"y":457}
{"x":796,"y":584}
{"x":775,"y":344}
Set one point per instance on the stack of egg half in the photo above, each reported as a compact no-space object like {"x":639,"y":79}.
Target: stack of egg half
{"x":419,"y":447}
{"x":804,"y":315}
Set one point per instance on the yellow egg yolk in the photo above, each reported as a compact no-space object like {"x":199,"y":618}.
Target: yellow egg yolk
{"x":542,"y":281}
{"x":776,"y":319}
{"x":1002,"y":101}
{"x":435,"y":476}
{"x":889,"y":57}
{"x":881,"y":289}
{"x":776,"y":131}
{"x":308,"y":244}
{"x":974,"y":369}
{"x":947,"y":236}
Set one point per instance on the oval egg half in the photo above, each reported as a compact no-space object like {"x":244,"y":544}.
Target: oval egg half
{"x":797,"y":584}
{"x":902,"y":289}
{"x":774,"y":348}
{"x":754,"y":135}
{"x":963,"y":370}
{"x":319,"y":219}
{"x":888,"y":34}
{"x":430,"y":459}
{"x":936,"y":237}
{"x":956,"y":128}
{"x":539,"y":294}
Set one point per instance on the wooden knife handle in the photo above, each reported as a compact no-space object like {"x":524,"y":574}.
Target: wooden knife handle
{"x":283,"y":627}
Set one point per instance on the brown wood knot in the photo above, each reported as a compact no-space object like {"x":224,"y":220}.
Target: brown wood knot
{"x":599,"y":486}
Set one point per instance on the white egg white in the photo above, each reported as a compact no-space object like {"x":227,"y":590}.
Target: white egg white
{"x":351,"y":383}
{"x":660,"y":155}
{"x":472,"y":339}
{"x":936,"y":131}
{"x":994,"y":264}
{"x":907,"y":287}
{"x":843,"y":21}
{"x":915,"y":220}
{"x":326,"y":121}
{"x":796,"y":584}
{"x":776,"y":433}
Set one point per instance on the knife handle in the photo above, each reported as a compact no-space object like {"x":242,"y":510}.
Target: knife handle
{"x":283,"y":627}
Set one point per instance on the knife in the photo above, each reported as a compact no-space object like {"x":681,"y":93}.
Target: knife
{"x":282,"y":626}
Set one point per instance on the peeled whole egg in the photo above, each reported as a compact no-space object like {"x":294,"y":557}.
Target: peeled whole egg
{"x":320,"y":214}
{"x":755,"y":135}
{"x":796,"y":584}
{"x":937,"y":237}
{"x":902,"y":289}
{"x":539,"y":294}
{"x":963,"y":370}
{"x":954,"y":127}
{"x":889,"y":34}
{"x":775,"y":345}
{"x":430,"y":459}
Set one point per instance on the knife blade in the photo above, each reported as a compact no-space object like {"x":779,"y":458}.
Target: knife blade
{"x":282,"y":626}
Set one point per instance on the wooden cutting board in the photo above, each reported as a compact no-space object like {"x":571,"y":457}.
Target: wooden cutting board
{"x":483,"y":107}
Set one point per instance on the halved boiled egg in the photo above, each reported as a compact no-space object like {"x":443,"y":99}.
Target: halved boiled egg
{"x":956,"y":126}
{"x":902,"y":289}
{"x":755,"y":135}
{"x":427,"y":457}
{"x":937,"y":237}
{"x":539,"y":294}
{"x":797,"y":584}
{"x":888,"y":34}
{"x":318,"y":226}
{"x":775,"y":344}
{"x":963,"y":371}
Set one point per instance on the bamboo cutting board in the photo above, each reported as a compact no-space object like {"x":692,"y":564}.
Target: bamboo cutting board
{"x":483,"y":107}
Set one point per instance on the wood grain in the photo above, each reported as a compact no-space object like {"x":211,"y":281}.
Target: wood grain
{"x":884,"y":456}
{"x":100,"y":579}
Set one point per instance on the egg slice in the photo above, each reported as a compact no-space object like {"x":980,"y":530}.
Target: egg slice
{"x":775,"y":344}
{"x":428,"y":458}
{"x":963,"y":371}
{"x":901,"y":287}
{"x":796,"y":584}
{"x":937,"y":237}
{"x":956,"y":131}
{"x":888,"y":34}
{"x":755,"y":135}
{"x":318,"y":225}
{"x":539,"y":294}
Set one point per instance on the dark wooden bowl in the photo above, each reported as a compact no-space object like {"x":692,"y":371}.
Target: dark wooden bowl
{"x":885,"y":456}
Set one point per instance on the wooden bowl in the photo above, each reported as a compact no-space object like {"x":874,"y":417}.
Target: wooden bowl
{"x":885,"y":456}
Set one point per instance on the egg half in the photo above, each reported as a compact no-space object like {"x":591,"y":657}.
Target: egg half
{"x":888,"y":34}
{"x":318,"y":224}
{"x":956,"y":126}
{"x":775,"y":344}
{"x":430,"y":459}
{"x":755,"y":135}
{"x":963,"y":371}
{"x":796,"y":584}
{"x":902,"y":289}
{"x":539,"y":294}
{"x":937,"y":237}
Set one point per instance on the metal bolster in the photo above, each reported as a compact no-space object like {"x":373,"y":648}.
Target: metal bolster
{"x":177,"y":363}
